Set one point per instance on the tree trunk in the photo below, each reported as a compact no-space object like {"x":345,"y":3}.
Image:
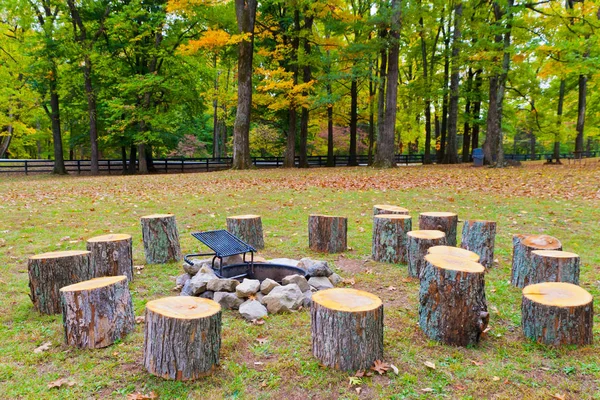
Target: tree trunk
{"x":581,"y":104}
{"x":59,"y":162}
{"x":467,"y":126}
{"x":381,"y":89}
{"x":248,"y":228}
{"x":371,"y":116}
{"x":124,"y":159}
{"x":216,"y":134}
{"x":389,"y":238}
{"x":476,"y":110}
{"x":441,"y":221}
{"x":306,"y":77}
{"x":111,"y":255}
{"x":161,"y":238}
{"x":554,"y":266}
{"x":479,"y":237}
{"x":330,"y":160}
{"x":427,"y":155}
{"x":523,"y":245}
{"x":182,"y":337}
{"x":441,"y":154}
{"x":388,"y":209}
{"x":418,"y":244}
{"x":532,"y":146}
{"x":559,"y":112}
{"x":347,"y":329}
{"x":142,"y":164}
{"x":451,"y":156}
{"x":98,"y":312}
{"x":451,"y":251}
{"x":353,"y":122}
{"x":5,"y":142}
{"x":290,"y":149}
{"x":452,"y":304}
{"x":327,"y":234}
{"x":132,"y":159}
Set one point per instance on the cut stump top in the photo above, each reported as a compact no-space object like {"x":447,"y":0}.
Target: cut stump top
{"x":184,"y":307}
{"x":454,"y":263}
{"x":392,"y":216}
{"x":555,"y":254}
{"x":157,"y":216}
{"x":438,"y":214}
{"x":59,"y":254}
{"x":388,"y":207}
{"x":113,"y":237}
{"x":348,"y":300}
{"x":541,"y":242}
{"x":246,"y":216}
{"x":455,"y":252}
{"x":94,"y":283}
{"x":426,"y":234}
{"x":559,"y":294}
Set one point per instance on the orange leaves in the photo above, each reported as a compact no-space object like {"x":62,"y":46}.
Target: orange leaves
{"x":277,"y":89}
{"x":212,"y":40}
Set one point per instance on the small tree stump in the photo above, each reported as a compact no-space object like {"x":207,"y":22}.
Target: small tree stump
{"x":347,"y":328}
{"x":97,"y":312}
{"x":182,"y":337}
{"x":554,"y":266}
{"x":523,"y":245}
{"x":479,"y":236}
{"x":418,"y":243}
{"x":111,"y":255}
{"x":452,"y":305}
{"x":161,"y":238}
{"x":389,"y":237}
{"x":454,"y":252}
{"x":248,"y":228}
{"x":327,"y":234}
{"x":440,"y":221}
{"x":557,"y":313}
{"x":48,"y":272}
{"x":388,"y":209}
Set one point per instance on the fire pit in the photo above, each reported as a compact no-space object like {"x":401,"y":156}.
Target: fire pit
{"x":260,"y":271}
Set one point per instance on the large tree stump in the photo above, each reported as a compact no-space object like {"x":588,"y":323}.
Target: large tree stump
{"x":48,"y":272}
{"x":388,"y":209}
{"x":161,"y":238}
{"x":418,"y":243}
{"x":523,"y":245}
{"x":327,"y":234}
{"x":182,"y":337}
{"x":389,"y":237}
{"x":557,"y":313}
{"x":347,"y":328}
{"x":111,"y":255}
{"x":248,"y":228}
{"x":452,"y":305}
{"x":479,"y":236}
{"x":97,"y":312}
{"x":440,"y":221}
{"x":454,"y":252}
{"x":554,"y":266}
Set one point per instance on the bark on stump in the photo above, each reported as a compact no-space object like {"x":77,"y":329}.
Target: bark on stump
{"x":182,"y":337}
{"x":440,"y":221}
{"x":388,"y":209}
{"x":248,"y":228}
{"x":454,"y":252}
{"x":48,"y":272}
{"x":97,"y":312}
{"x":389,"y":237}
{"x":327,"y":234}
{"x":347,"y":328}
{"x":161,"y":238}
{"x":479,"y":236}
{"x":554,"y":266}
{"x":452,"y":305}
{"x":523,"y":245}
{"x":418,"y":243}
{"x":557,"y":313}
{"x":111,"y":255}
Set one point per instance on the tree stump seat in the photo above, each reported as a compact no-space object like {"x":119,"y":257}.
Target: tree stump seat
{"x":389,"y":237}
{"x":327,"y":234}
{"x":247,"y":228}
{"x":418,"y":243}
{"x":454,"y":252}
{"x":111,"y":255}
{"x":523,"y":246}
{"x":554,"y":266}
{"x":479,"y":236}
{"x":389,"y":209}
{"x":161,"y":238}
{"x":440,"y":221}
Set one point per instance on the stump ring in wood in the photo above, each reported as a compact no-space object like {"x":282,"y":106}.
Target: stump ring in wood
{"x":523,"y":245}
{"x":161,"y":238}
{"x":557,"y":313}
{"x":389,"y":237}
{"x":440,"y":221}
{"x":48,"y":272}
{"x":454,"y":252}
{"x":554,"y":266}
{"x":479,"y":236}
{"x":182,"y":337}
{"x":389,"y":209}
{"x":97,"y":312}
{"x":111,"y":255}
{"x":347,"y":328}
{"x":248,"y":228}
{"x":327,"y":234}
{"x":418,"y":243}
{"x":452,"y":304}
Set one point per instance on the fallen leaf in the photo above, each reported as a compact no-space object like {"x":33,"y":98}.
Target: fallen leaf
{"x":258,"y":363}
{"x":427,"y":390}
{"x":559,"y":396}
{"x":358,"y":390}
{"x":139,"y":267}
{"x":361,"y":229}
{"x":391,"y":288}
{"x":360,"y":373}
{"x":395,"y":369}
{"x":429,"y":364}
{"x":354,"y":381}
{"x":262,"y":340}
{"x":349,"y":281}
{"x":140,"y":396}
{"x":380,"y":367}
{"x":258,"y":321}
{"x":60,"y":382}
{"x":495,"y":379}
{"x":368,"y":271}
{"x":43,"y":347}
{"x":478,"y":363}
{"x":140,"y":319}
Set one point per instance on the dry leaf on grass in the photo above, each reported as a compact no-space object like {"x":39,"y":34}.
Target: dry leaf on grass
{"x":559,"y":396}
{"x":429,"y":364}
{"x":354,"y":381}
{"x":358,"y":390}
{"x":380,"y":367}
{"x":395,"y":369}
{"x":475,"y":362}
{"x":391,"y":288}
{"x":262,"y":340}
{"x":140,"y":396}
{"x":60,"y":382}
{"x":348,"y":281}
{"x":258,"y":322}
{"x":43,"y":347}
{"x":427,"y":390}
{"x":140,"y":319}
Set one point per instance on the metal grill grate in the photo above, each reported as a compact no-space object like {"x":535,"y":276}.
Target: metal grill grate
{"x":223,"y":243}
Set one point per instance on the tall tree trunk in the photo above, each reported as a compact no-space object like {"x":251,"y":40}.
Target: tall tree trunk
{"x":216,"y":129}
{"x":371,"y":115}
{"x":444,"y":128}
{"x":132,"y":158}
{"x":467,"y":125}
{"x":124,"y":159}
{"x":581,"y":105}
{"x":142,"y":164}
{"x":59,"y":162}
{"x":532,"y":145}
{"x":427,"y":156}
{"x":451,"y":156}
{"x":246,"y":14}
{"x":290,"y":149}
{"x":381,"y":88}
{"x":559,"y":112}
{"x":306,"y":77}
{"x":476,"y":110}
{"x":92,"y":114}
{"x":5,"y":140}
{"x":353,"y":121}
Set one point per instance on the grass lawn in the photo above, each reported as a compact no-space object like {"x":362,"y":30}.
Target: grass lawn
{"x":46,"y":213}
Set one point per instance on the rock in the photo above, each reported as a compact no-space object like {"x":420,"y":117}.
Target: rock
{"x":182,"y":279}
{"x":307,"y":301}
{"x":199,"y":282}
{"x":227,"y":300}
{"x":187,"y":289}
{"x":252,"y":310}
{"x":284,"y":261}
{"x":320,"y":282}
{"x":197,"y":264}
{"x":260,"y":297}
{"x":335,"y":279}
{"x":298,"y":280}
{"x":222,"y":285}
{"x":209,"y":294}
{"x":247,"y":288}
{"x":234,"y":259}
{"x":314,"y":267}
{"x":267,"y":285}
{"x":284,"y":298}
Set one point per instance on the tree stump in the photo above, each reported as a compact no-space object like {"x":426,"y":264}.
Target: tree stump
{"x":248,"y":228}
{"x":111,"y":255}
{"x":161,"y":238}
{"x":97,"y":312}
{"x":388,"y":209}
{"x":479,"y":236}
{"x":347,"y":328}
{"x":554,"y":266}
{"x":327,"y":234}
{"x":452,"y":305}
{"x":440,"y":221}
{"x":418,"y":243}
{"x":182,"y":337}
{"x":48,"y":272}
{"x":557,"y":313}
{"x":454,"y":252}
{"x":523,"y":245}
{"x":389,"y":237}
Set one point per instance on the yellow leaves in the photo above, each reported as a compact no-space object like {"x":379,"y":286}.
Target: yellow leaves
{"x":212,"y":40}
{"x":518,"y":58}
{"x":189,"y":5}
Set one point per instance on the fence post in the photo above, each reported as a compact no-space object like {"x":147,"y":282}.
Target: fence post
{"x":26,"y":171}
{"x":182,"y":165}
{"x":207,"y":165}
{"x":108,"y":166}
{"x":166,"y":165}
{"x":79,"y":167}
